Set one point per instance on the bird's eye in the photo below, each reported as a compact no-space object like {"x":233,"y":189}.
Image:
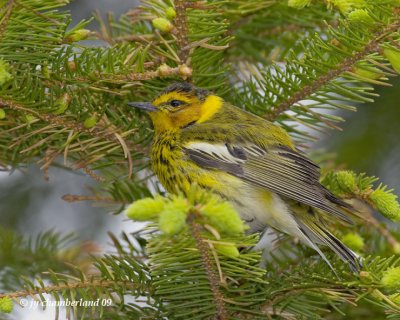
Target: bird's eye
{"x":176,"y":103}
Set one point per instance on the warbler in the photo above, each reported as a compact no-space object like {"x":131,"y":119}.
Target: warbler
{"x":253,"y":163}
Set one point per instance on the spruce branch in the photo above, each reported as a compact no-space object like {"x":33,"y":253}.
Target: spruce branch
{"x":181,"y":26}
{"x":348,"y":185}
{"x":346,"y":65}
{"x":104,"y":133}
{"x":163,"y":71}
{"x":206,"y":258}
{"x":55,"y":120}
{"x":77,"y":198}
{"x":6,"y":16}
{"x":88,"y":284}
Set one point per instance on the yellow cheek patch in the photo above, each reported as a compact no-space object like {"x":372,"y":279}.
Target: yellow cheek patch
{"x":171,"y":96}
{"x":210,"y":106}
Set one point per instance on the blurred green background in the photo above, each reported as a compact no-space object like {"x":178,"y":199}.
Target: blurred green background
{"x":370,"y":140}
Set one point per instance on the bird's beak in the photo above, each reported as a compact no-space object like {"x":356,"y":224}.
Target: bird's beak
{"x":147,"y":106}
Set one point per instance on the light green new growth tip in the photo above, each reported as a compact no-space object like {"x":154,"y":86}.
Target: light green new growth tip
{"x":391,"y":278}
{"x":173,"y":217}
{"x":227,"y":249}
{"x":395,"y":298}
{"x":145,"y":209}
{"x":172,"y":213}
{"x":341,"y":182}
{"x":170,"y":13}
{"x":346,"y":181}
{"x":386,"y":203}
{"x":5,"y":76}
{"x":62,"y":103}
{"x":77,"y":35}
{"x":172,"y":221}
{"x":90,"y":122}
{"x":354,"y":241}
{"x":6,"y":305}
{"x":162,"y":24}
{"x":370,"y":73}
{"x":360,"y":16}
{"x":298,"y":4}
{"x":345,"y":6}
{"x":223,"y":217}
{"x":394,"y":58}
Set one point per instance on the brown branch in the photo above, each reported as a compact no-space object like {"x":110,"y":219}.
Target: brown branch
{"x":345,"y":65}
{"x":48,"y":159}
{"x":70,"y":286}
{"x":206,"y":258}
{"x":93,"y":175}
{"x":181,"y":26}
{"x":145,"y":38}
{"x":77,"y":197}
{"x":163,"y":71}
{"x":6,"y":17}
{"x":201,"y":5}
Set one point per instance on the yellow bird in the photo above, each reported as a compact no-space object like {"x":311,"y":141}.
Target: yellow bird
{"x":200,"y":138}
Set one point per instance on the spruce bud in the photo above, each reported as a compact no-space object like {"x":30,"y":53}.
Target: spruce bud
{"x":145,"y":209}
{"x":162,"y":24}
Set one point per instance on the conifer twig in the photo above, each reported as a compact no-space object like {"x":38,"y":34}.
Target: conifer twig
{"x":205,"y":254}
{"x":71,"y":286}
{"x":345,"y":65}
{"x":6,"y":17}
{"x":182,"y":30}
{"x":55,"y":120}
{"x":164,"y":72}
{"x":77,"y":197}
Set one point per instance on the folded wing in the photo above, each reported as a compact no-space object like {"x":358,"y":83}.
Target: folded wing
{"x":279,"y":169}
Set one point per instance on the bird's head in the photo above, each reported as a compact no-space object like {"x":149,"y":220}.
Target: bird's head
{"x":179,"y":106}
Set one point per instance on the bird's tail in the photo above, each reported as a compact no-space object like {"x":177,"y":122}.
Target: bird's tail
{"x":314,"y":234}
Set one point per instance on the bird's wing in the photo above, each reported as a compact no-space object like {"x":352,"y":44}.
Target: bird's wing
{"x":279,"y":169}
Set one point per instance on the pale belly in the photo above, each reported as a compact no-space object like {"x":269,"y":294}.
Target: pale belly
{"x":258,"y":207}
{"x":261,"y":208}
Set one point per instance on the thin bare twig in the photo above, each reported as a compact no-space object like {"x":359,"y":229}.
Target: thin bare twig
{"x":77,"y":198}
